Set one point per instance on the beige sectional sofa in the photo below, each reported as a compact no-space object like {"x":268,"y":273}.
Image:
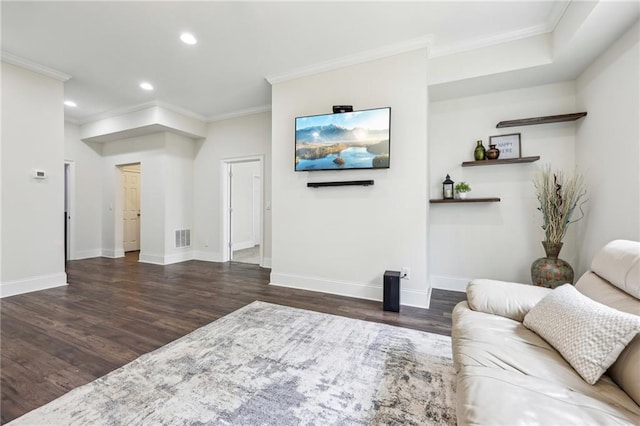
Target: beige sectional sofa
{"x":507,"y":374}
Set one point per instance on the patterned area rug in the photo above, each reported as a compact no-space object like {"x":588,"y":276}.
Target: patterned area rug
{"x":268,"y":364}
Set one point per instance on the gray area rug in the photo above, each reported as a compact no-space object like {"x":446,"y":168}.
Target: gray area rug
{"x":268,"y":364}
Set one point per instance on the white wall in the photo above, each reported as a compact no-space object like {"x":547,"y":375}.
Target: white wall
{"x":228,"y":139}
{"x":494,"y":240}
{"x":342,"y":239}
{"x":608,"y":146}
{"x":149,"y":151}
{"x":32,"y":210}
{"x":180,"y":153}
{"x":86,"y":221}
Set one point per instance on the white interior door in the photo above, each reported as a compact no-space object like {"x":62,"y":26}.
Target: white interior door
{"x":257,"y":188}
{"x":131,"y":209}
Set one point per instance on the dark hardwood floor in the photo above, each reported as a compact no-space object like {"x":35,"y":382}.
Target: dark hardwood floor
{"x":115,"y":310}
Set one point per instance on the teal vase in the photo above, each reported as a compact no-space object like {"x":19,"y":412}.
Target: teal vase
{"x":479,"y":152}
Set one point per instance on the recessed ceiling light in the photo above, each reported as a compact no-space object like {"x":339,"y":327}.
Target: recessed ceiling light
{"x":70,"y":104}
{"x":188,"y":38}
{"x":146,"y":86}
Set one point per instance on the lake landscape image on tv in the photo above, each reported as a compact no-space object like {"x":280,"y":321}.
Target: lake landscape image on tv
{"x":350,"y":140}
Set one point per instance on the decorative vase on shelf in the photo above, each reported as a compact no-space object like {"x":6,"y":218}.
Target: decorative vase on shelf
{"x":462,"y":195}
{"x":479,"y":152}
{"x":550,"y":271}
{"x":493,"y":153}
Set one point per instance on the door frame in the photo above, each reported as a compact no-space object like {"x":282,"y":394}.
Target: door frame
{"x":124,"y":170}
{"x":225,"y":202}
{"x":118,"y":208}
{"x":70,"y":196}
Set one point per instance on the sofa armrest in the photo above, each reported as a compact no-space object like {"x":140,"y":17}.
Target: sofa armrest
{"x":510,"y":300}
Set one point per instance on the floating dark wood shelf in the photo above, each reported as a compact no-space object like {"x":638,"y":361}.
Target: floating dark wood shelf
{"x":500,"y":161}
{"x":466,"y":200}
{"x":541,"y":120}
{"x":340,"y":183}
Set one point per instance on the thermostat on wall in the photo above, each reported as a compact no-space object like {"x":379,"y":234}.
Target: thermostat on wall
{"x":39,"y":174}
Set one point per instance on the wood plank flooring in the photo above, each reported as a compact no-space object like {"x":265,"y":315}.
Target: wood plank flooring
{"x":115,"y":310}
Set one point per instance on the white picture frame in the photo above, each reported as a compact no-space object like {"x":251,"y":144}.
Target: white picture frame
{"x":509,"y":145}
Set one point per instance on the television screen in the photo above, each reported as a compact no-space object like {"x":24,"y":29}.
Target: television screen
{"x":348,"y":140}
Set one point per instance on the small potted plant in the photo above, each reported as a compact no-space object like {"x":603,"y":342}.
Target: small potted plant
{"x":462,"y":188}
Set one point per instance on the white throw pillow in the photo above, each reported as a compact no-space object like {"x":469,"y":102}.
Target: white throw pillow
{"x":588,"y":334}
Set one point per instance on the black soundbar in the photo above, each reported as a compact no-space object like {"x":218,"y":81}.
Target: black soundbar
{"x":340,"y":183}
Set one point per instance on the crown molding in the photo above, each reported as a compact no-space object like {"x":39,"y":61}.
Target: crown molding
{"x":358,"y":58}
{"x":238,"y":113}
{"x":559,"y":8}
{"x":550,"y":25}
{"x":135,"y":108}
{"x":12,"y":59}
{"x":488,"y":41}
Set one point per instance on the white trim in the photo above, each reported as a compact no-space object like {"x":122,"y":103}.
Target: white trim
{"x":225,"y":194}
{"x":87,"y":254}
{"x":559,"y":8}
{"x":450,"y":283}
{"x":169,"y":259}
{"x":243,"y":245}
{"x":113,"y":253}
{"x":415,"y":298}
{"x":479,"y":43}
{"x":207,"y":256}
{"x":27,"y":285}
{"x":178,"y":257}
{"x":156,"y":259}
{"x":70,"y":186}
{"x":140,"y":107}
{"x":238,"y":113}
{"x":12,"y":59}
{"x":358,"y":58}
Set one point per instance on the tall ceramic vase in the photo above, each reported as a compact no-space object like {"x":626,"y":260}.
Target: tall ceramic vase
{"x":549,"y":271}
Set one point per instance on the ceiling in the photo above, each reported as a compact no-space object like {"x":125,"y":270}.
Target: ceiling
{"x":108,"y":48}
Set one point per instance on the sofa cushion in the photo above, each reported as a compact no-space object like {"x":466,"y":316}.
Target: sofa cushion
{"x":510,"y":300}
{"x":508,"y":375}
{"x":619,"y":263}
{"x":588,"y":334}
{"x":626,"y":370}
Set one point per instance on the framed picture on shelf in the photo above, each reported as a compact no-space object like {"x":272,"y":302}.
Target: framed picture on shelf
{"x":509,"y":145}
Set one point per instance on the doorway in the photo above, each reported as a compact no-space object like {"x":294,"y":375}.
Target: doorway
{"x":69,"y":209}
{"x":242,"y":212}
{"x":131,"y":207}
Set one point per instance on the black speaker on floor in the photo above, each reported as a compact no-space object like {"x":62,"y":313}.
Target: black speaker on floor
{"x":391,"y":291}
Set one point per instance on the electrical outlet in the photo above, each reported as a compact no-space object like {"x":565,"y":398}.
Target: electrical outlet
{"x":405,"y":273}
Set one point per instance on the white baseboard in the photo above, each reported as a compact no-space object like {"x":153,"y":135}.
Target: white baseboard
{"x":415,"y":298}
{"x":27,"y":285}
{"x":207,"y":256}
{"x":156,"y":259}
{"x":168,"y":259}
{"x":450,"y":283}
{"x":418,"y":299}
{"x":86,"y":254}
{"x":178,"y":257}
{"x":243,"y":245}
{"x":112,"y":253}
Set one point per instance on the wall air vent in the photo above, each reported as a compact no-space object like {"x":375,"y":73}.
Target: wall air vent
{"x":183,"y":238}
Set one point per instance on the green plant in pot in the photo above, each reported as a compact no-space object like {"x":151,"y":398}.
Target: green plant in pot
{"x":462,"y":188}
{"x":559,"y":196}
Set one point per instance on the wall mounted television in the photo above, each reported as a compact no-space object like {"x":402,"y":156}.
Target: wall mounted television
{"x":343,"y":141}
